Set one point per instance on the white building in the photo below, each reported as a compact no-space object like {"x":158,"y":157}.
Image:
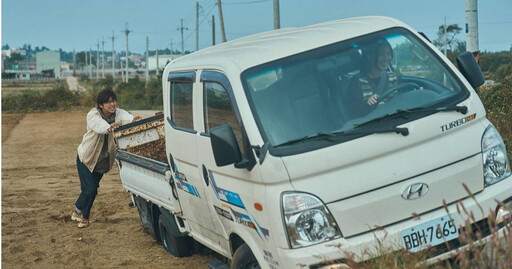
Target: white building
{"x":9,"y":52}
{"x":162,"y":61}
{"x":48,"y":62}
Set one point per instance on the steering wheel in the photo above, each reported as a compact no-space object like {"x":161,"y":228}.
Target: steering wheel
{"x":399,"y":89}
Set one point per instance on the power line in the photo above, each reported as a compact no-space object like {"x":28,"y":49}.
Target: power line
{"x":245,"y":3}
{"x":204,"y":18}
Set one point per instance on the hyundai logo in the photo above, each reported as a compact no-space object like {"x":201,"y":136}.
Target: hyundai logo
{"x":415,"y":191}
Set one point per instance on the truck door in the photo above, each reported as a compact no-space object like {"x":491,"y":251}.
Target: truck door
{"x":183,"y":99}
{"x":230,"y":190}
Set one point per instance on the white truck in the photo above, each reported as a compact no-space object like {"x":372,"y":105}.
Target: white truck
{"x":261,"y":157}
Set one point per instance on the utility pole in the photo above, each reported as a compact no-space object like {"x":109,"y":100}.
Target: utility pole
{"x":182,"y":41}
{"x":103,"y":58}
{"x":147,"y":61}
{"x":90,"y":62}
{"x":472,"y":28}
{"x":171,"y":44}
{"x":213,"y":30}
{"x":122,"y":73}
{"x":445,"y":42}
{"x":277,"y":19}
{"x":97,"y":60}
{"x":126,"y":32}
{"x":74,"y":63}
{"x":221,"y":18}
{"x":445,"y":51}
{"x":197,"y":26}
{"x":157,"y":66}
{"x":113,"y":60}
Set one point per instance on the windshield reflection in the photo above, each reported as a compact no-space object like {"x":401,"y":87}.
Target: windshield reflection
{"x":339,"y":87}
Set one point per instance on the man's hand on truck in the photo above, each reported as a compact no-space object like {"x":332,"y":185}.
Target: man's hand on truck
{"x":113,"y":126}
{"x":137,"y":118}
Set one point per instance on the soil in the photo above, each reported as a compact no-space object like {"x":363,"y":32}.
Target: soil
{"x":39,"y":188}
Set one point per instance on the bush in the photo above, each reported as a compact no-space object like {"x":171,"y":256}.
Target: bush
{"x":57,"y":98}
{"x":498,"y":104}
{"x":84,"y":78}
{"x":136,"y":95}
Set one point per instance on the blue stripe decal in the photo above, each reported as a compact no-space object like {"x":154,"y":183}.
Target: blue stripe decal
{"x":225,"y":195}
{"x":234,"y":199}
{"x":183,"y":185}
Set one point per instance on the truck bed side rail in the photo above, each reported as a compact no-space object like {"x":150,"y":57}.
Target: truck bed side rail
{"x":147,"y":163}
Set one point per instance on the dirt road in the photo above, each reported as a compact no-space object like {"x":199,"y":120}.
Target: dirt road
{"x":39,"y":187}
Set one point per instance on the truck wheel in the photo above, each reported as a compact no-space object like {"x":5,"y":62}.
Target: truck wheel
{"x":177,"y":246}
{"x":244,"y":259}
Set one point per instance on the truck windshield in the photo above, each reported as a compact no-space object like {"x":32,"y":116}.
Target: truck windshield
{"x":349,"y":86}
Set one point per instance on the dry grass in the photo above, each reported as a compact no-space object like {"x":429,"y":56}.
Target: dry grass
{"x":496,"y":253}
{"x":18,"y":86}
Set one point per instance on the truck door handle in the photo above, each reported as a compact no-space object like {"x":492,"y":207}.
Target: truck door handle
{"x":171,"y":160}
{"x":205,"y":176}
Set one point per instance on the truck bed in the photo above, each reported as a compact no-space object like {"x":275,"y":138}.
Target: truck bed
{"x":142,"y":161}
{"x":143,"y":138}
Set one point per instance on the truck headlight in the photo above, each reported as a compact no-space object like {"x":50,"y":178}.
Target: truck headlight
{"x":494,"y":154}
{"x":307,"y":220}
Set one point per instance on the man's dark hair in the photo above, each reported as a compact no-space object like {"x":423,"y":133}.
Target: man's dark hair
{"x":104,"y":96}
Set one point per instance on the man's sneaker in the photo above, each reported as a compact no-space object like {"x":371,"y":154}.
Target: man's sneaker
{"x":84,"y":223}
{"x":76,"y":216}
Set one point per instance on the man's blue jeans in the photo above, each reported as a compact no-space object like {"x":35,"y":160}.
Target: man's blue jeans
{"x":89,"y":184}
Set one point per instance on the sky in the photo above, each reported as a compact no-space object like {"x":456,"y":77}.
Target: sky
{"x":87,"y":24}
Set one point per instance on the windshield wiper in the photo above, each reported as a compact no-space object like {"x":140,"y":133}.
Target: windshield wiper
{"x":353,"y":132}
{"x":306,"y":138}
{"x":461,"y":109}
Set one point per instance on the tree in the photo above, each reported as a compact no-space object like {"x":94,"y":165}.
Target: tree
{"x":13,"y":61}
{"x":16,"y":57}
{"x":80,"y":58}
{"x":5,"y":47}
{"x":452,"y":42}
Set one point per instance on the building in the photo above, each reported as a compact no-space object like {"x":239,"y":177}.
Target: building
{"x":162,"y":61}
{"x":48,"y":63}
{"x":7,"y":53}
{"x":65,"y":66}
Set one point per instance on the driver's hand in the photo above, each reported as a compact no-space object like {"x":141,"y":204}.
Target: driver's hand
{"x":372,"y":100}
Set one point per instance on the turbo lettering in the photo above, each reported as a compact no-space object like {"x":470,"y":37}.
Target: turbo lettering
{"x":457,"y":123}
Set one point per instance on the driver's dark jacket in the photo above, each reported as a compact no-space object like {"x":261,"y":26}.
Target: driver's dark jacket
{"x":361,"y":88}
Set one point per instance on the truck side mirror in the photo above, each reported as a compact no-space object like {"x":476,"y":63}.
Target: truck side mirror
{"x":470,"y":69}
{"x":224,"y":145}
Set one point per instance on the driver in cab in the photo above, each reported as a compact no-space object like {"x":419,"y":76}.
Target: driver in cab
{"x":375,"y":78}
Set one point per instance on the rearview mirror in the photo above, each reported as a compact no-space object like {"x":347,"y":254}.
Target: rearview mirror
{"x":224,"y":145}
{"x":470,"y":69}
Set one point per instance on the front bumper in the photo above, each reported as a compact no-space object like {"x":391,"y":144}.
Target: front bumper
{"x":368,"y":245}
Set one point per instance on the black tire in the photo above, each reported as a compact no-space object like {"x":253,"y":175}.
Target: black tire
{"x":244,"y":259}
{"x":177,"y":246}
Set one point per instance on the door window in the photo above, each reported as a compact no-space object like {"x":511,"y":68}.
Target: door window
{"x":218,"y":110}
{"x":181,"y":104}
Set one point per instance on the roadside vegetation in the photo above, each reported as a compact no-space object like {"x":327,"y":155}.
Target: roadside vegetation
{"x":497,"y":100}
{"x":134,"y":95}
{"x":497,"y":253}
{"x":57,"y":97}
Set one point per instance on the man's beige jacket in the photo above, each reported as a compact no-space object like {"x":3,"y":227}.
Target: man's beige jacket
{"x":90,"y":148}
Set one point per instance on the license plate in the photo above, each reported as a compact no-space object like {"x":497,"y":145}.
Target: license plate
{"x":430,"y":233}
